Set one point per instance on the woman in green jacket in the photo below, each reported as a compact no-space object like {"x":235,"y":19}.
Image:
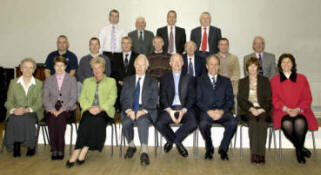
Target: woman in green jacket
{"x":97,"y":99}
{"x":24,"y":106}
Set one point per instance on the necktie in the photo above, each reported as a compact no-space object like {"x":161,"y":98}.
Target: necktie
{"x":171,"y":41}
{"x":126,"y":61}
{"x":213,"y":82}
{"x":204,"y":40}
{"x":140,"y":36}
{"x":113,"y":39}
{"x":190,"y":67}
{"x":136,"y":97}
{"x":261,"y":66}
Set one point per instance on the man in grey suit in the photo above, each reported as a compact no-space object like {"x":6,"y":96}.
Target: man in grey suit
{"x":142,"y":39}
{"x":206,"y":36}
{"x":139,"y":99}
{"x":267,"y":60}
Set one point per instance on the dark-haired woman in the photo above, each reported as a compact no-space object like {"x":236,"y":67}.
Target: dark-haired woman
{"x":291,"y":98}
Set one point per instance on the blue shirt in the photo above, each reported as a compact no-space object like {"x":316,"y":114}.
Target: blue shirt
{"x":72,"y":61}
{"x":176,"y":100}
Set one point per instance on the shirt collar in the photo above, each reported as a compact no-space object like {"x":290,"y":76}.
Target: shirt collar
{"x":210,"y":76}
{"x":61,"y":75}
{"x":129,"y":53}
{"x":257,"y":54}
{"x":32,"y":82}
{"x":292,"y":77}
{"x":141,"y":77}
{"x":176,"y":74}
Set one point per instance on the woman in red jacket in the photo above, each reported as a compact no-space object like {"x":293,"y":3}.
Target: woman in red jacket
{"x":291,"y":98}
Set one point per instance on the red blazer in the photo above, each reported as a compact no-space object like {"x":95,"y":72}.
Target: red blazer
{"x":293,"y":95}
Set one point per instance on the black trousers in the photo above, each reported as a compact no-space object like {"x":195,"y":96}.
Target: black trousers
{"x":227,"y":121}
{"x":188,"y":125}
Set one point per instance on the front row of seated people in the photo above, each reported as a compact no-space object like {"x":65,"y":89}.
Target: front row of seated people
{"x":177,"y":99}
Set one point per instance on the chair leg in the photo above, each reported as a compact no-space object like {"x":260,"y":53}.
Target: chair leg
{"x":112,"y":140}
{"x":280,"y":144}
{"x":47,"y":134}
{"x":43,"y":135}
{"x":270,"y":137}
{"x":155,"y":142}
{"x":2,"y":145}
{"x":274,"y":141}
{"x":235,"y":138}
{"x":71,"y":134}
{"x":37,"y":136}
{"x":121,"y":143}
{"x":161,"y":144}
{"x":116,"y":135}
{"x":314,"y":146}
{"x":241,"y":142}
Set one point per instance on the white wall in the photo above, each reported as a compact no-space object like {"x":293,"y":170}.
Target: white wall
{"x":30,"y":28}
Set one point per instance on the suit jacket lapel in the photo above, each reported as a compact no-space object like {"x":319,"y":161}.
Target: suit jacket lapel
{"x":218,"y":82}
{"x":172,"y":87}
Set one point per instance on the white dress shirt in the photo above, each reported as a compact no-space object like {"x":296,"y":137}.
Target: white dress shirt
{"x":138,"y":33}
{"x":128,"y":57}
{"x":169,"y":32}
{"x":211,"y":78}
{"x":258,"y":55}
{"x":207,"y":32}
{"x":105,"y":38}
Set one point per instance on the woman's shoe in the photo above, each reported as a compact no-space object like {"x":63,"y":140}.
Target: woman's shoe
{"x":80,"y":162}
{"x":69,"y":164}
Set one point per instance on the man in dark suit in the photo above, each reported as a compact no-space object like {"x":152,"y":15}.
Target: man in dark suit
{"x":174,"y":37}
{"x":139,"y":99}
{"x":177,"y":98}
{"x":142,"y":39}
{"x":194,"y":65}
{"x":206,"y":36}
{"x":215,"y":99}
{"x":123,"y":65}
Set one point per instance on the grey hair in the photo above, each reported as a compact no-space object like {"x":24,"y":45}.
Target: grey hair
{"x":28,"y":59}
{"x":145,"y":58}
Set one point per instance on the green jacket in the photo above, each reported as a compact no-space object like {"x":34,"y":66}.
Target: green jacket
{"x":17,"y":98}
{"x":107,"y":94}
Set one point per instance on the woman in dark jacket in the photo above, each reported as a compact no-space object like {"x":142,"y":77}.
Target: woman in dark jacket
{"x":255,"y":102}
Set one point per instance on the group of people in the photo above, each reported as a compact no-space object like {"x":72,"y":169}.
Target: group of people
{"x":160,"y":81}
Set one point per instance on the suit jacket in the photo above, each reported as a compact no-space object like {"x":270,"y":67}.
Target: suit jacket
{"x":264,"y":95}
{"x":107,"y":92}
{"x":68,"y":93}
{"x":269,"y":65}
{"x":220,"y":98}
{"x":180,"y":38}
{"x":149,"y":95}
{"x":146,"y":46}
{"x":199,"y":65}
{"x":118,"y":68}
{"x":17,"y":97}
{"x":213,"y":36}
{"x":186,"y":90}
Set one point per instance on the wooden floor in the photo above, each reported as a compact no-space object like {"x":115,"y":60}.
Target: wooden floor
{"x":166,"y":164}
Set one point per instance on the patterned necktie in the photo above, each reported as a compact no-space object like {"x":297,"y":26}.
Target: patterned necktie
{"x":136,"y":97}
{"x":204,"y":40}
{"x":113,"y":39}
{"x":171,"y":41}
{"x":213,"y":82}
{"x":261,"y":66}
{"x":190,"y":67}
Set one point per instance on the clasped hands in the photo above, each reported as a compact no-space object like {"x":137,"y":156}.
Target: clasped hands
{"x":172,"y":112}
{"x":131,"y":114}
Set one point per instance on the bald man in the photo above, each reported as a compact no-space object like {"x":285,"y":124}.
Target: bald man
{"x":142,"y":39}
{"x":177,"y":101}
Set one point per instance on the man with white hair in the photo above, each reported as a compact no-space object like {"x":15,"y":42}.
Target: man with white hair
{"x":267,"y":60}
{"x":206,"y":36}
{"x":142,"y":39}
{"x":139,"y":99}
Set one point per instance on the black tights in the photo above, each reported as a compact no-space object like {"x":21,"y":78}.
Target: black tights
{"x":295,"y":129}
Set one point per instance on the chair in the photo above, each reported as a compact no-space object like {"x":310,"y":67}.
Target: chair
{"x":113,"y":128}
{"x":123,"y":142}
{"x":313,"y":141}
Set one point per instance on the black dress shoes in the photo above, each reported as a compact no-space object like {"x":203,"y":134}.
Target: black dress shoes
{"x":299,"y":156}
{"x":306,"y":153}
{"x":80,"y":162}
{"x":130,"y":152}
{"x":182,"y":150}
{"x":168,"y":147}
{"x":16,"y":149}
{"x":209,"y":153}
{"x":144,"y":159}
{"x":223,"y":154}
{"x":69,"y":164}
{"x":30,"y":152}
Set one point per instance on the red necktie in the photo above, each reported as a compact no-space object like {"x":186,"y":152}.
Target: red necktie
{"x":204,"y":40}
